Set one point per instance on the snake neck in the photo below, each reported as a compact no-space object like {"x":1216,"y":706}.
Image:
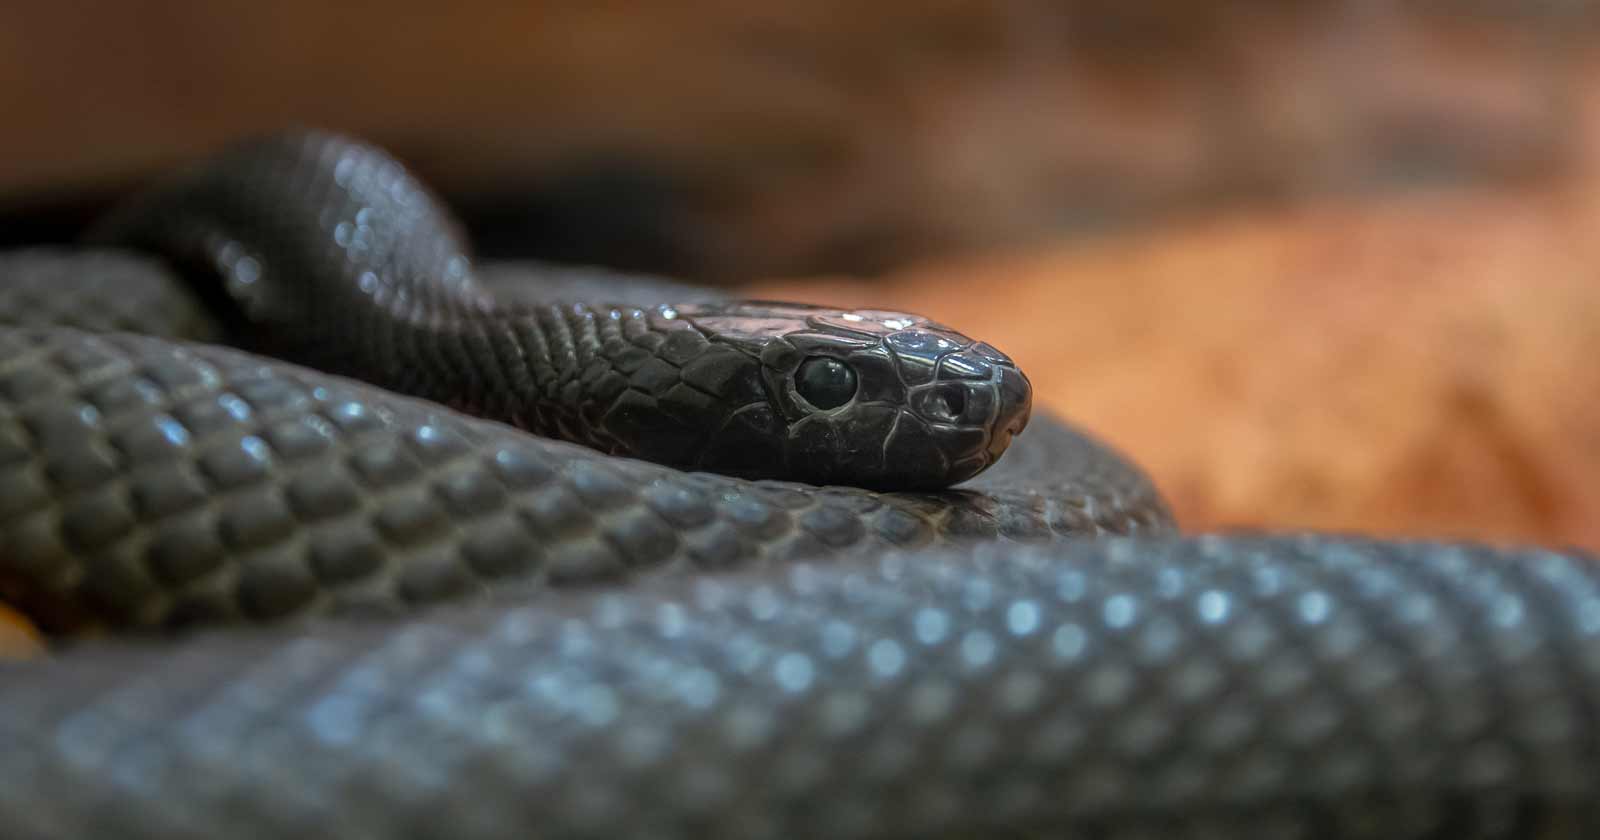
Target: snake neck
{"x":331,"y":254}
{"x":327,"y":252}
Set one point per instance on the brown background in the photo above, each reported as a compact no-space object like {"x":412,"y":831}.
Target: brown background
{"x":1315,"y":264}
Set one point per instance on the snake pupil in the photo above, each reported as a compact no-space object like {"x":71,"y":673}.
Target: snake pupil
{"x":825,"y":383}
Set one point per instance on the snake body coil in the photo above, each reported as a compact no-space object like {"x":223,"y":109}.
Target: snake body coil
{"x":618,"y":648}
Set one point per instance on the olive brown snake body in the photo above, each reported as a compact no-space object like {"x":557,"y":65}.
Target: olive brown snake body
{"x":617,"y":648}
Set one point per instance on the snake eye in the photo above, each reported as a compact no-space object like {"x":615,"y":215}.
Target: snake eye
{"x":825,"y":383}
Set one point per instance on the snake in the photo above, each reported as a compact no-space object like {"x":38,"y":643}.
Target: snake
{"x":336,"y":533}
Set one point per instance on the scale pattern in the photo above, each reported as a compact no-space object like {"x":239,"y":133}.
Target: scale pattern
{"x":147,"y":483}
{"x":100,"y":291}
{"x":326,"y":252}
{"x":1203,"y":688}
{"x":846,"y":664}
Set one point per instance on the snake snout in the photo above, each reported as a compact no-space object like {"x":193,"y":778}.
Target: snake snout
{"x":1015,"y":407}
{"x":1016,"y":401}
{"x":971,"y":420}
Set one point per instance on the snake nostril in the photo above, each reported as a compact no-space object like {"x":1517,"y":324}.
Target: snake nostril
{"x":945,"y":404}
{"x":955,"y":402}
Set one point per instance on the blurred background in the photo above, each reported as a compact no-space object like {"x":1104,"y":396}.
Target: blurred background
{"x":1314,"y":264}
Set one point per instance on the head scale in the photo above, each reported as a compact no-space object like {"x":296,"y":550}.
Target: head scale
{"x":864,"y":398}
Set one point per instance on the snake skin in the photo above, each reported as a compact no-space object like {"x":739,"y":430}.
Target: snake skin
{"x":100,"y":291}
{"x":1201,"y":688}
{"x":612,"y":648}
{"x":326,"y":251}
{"x":150,"y":484}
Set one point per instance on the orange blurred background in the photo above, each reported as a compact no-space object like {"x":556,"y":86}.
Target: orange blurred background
{"x":1321,"y":264}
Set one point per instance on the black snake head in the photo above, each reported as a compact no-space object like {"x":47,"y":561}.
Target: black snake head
{"x":865,"y":398}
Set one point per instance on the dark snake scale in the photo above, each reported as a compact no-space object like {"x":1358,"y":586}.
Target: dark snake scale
{"x":695,"y":569}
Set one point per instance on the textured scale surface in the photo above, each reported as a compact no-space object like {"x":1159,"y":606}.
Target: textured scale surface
{"x":150,"y":484}
{"x":329,"y":253}
{"x":453,"y":628}
{"x":100,"y":291}
{"x":1203,"y":688}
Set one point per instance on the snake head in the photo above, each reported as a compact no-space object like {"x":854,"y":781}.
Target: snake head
{"x":865,"y":398}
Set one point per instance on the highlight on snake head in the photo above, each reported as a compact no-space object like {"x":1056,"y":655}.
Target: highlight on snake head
{"x":866,"y":398}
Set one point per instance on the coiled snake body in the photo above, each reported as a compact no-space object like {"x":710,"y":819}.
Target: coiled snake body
{"x":615,"y":647}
